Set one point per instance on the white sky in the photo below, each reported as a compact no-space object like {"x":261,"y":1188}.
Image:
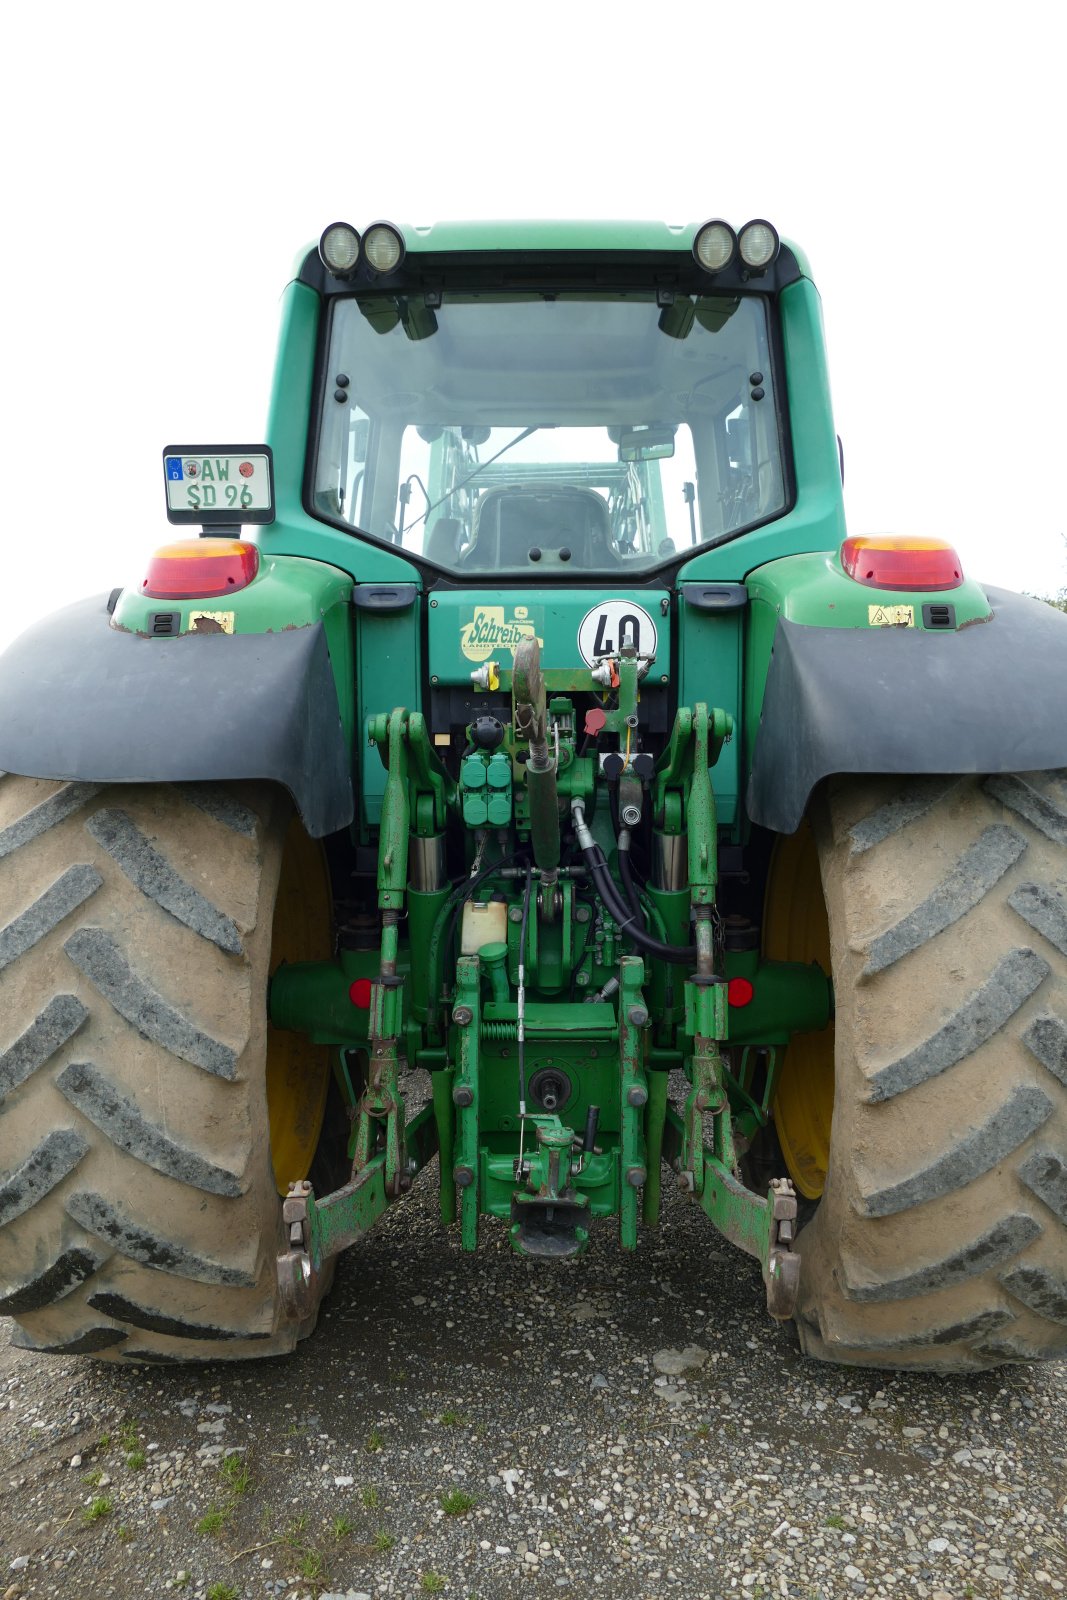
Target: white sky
{"x":165,"y":164}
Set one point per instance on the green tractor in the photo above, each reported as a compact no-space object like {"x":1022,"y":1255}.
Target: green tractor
{"x":521,"y":714}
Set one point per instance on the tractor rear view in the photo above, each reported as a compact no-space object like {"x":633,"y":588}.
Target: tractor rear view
{"x":521,"y":712}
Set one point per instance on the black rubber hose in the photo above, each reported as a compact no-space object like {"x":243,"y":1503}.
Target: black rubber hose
{"x":677,"y":954}
{"x":626,"y":874}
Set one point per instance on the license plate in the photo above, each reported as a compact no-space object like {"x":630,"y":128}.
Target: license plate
{"x":220,"y":486}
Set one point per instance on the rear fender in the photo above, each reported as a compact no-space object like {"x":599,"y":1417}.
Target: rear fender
{"x":84,"y":700}
{"x":984,"y":697}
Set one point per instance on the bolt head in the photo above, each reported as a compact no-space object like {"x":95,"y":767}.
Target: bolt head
{"x":638,"y":1016}
{"x":581,"y":913}
{"x":463,"y":1095}
{"x":635,"y":1177}
{"x":463,"y":1016}
{"x":463,"y":1177}
{"x":637,"y":1095}
{"x":515,"y":914}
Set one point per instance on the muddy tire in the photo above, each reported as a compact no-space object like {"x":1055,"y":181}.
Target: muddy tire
{"x":139,"y":1214}
{"x":941,"y":1238}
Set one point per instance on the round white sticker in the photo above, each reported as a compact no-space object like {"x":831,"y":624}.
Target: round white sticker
{"x":608,"y":625}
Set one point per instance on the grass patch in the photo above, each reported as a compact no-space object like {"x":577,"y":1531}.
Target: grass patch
{"x":212,"y":1521}
{"x":222,"y":1591}
{"x":342,"y":1527}
{"x":452,"y":1419}
{"x":431,"y":1583}
{"x":128,"y":1436}
{"x":136,"y":1459}
{"x":835,"y":1521}
{"x":101,"y":1506}
{"x":293,"y":1535}
{"x":383,"y":1541}
{"x":457,"y":1503}
{"x":104,"y":1442}
{"x":312,"y":1566}
{"x":374,"y":1441}
{"x":124,"y":1534}
{"x":235,"y":1473}
{"x":92,"y":1478}
{"x":369,"y":1496}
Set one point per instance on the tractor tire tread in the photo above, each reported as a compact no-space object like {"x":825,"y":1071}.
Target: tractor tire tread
{"x":939,"y":1242}
{"x":135,"y":939}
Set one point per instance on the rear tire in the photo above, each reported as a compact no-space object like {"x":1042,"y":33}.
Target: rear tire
{"x":940,"y":1241}
{"x":140,"y":1215}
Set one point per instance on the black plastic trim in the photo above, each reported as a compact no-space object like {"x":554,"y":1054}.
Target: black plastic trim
{"x":715,"y":596}
{"x":84,"y":701}
{"x":384,"y":596}
{"x":982,"y":699}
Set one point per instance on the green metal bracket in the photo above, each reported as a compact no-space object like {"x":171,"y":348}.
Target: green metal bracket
{"x":675,"y":768}
{"x":390,"y":735}
{"x":633,"y":1090}
{"x":467,"y":1020}
{"x":318,"y":1229}
{"x":549,"y":1217}
{"x":762,"y":1226}
{"x":417,"y":785}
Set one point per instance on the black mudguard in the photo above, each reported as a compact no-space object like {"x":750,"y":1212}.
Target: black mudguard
{"x":82,"y":700}
{"x":988,"y":698}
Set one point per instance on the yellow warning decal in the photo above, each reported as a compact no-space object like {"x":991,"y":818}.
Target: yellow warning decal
{"x":891,"y":616}
{"x":211,"y":621}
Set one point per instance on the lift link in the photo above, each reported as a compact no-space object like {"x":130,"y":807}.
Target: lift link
{"x":764,"y":1227}
{"x":317,"y":1230}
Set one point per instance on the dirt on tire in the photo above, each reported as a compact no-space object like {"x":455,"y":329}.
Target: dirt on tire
{"x":941,"y":1238}
{"x":139,"y":1216}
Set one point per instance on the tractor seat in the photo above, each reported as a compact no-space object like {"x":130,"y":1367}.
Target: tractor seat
{"x":512,"y":522}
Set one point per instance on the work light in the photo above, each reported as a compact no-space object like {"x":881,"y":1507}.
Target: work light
{"x":383,"y":248}
{"x":714,"y":246}
{"x":339,"y":249}
{"x":758,"y":243}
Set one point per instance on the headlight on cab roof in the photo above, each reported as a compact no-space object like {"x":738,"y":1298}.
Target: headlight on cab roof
{"x":339,"y":249}
{"x":758,"y":243}
{"x":383,"y":247}
{"x":714,"y":245}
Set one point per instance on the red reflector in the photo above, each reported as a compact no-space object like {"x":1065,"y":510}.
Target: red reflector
{"x":739,"y":991}
{"x":359,"y":993}
{"x":200,"y":568}
{"x":902,"y":563}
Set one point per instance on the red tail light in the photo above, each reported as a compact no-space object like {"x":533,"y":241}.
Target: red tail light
{"x":902,"y":563}
{"x":198,"y":569}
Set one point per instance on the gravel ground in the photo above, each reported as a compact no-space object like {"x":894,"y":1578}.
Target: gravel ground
{"x":466,"y":1425}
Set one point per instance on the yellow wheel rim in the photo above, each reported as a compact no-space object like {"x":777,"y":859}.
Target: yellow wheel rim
{"x":298,"y":1071}
{"x":795,"y":928}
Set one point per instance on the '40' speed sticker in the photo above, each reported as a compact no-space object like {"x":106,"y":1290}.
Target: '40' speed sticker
{"x":606,"y":627}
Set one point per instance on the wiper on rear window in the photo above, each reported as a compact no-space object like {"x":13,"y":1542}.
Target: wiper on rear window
{"x":519,"y":437}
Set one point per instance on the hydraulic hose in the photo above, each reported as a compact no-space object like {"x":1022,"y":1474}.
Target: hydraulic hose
{"x":626,"y":871}
{"x":629,"y":922}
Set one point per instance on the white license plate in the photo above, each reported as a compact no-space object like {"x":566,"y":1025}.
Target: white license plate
{"x":234,"y":487}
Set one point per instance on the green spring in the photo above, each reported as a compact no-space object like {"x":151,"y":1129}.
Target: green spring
{"x":500,"y":1031}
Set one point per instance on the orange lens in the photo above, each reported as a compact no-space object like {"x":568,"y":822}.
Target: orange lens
{"x":200,"y":569}
{"x":902,"y":563}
